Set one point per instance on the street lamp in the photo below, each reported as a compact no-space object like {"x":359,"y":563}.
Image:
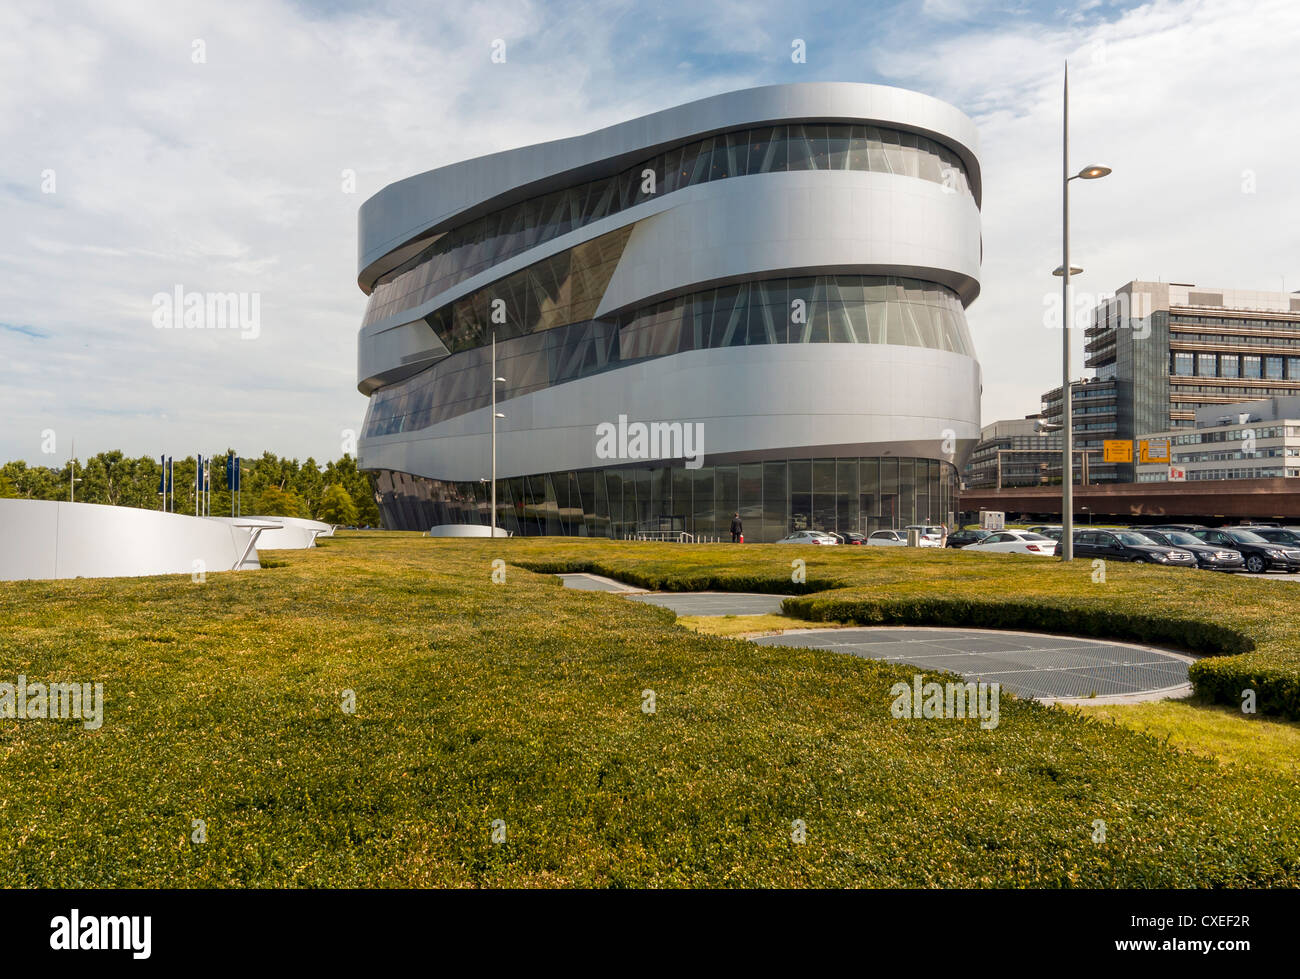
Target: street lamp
{"x":1091,"y":172}
{"x":495,"y":415}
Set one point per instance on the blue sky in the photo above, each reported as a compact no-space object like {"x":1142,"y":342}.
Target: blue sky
{"x":225,"y":174}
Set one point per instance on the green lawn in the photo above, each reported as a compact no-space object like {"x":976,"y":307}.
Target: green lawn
{"x":1219,"y":732}
{"x":522,"y":702}
{"x":1255,"y":622}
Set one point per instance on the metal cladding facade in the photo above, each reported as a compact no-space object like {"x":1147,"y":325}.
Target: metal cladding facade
{"x":751,"y":304}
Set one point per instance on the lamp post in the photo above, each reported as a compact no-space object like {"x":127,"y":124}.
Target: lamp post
{"x":1092,"y":172}
{"x":495,"y":415}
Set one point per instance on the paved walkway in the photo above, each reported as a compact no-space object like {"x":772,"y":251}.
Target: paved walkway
{"x":714,"y":602}
{"x":1043,"y":667}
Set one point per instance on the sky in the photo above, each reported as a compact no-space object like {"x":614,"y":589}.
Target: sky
{"x":226,"y":147}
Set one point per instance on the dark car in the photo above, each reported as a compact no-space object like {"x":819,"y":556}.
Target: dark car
{"x":1274,"y":533}
{"x":1187,"y":528}
{"x":1128,"y":545}
{"x":960,"y":538}
{"x":1261,"y":555}
{"x":850,"y":537}
{"x":1208,"y":556}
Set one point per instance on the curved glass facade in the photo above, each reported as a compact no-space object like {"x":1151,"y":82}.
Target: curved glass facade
{"x":465,"y":251}
{"x":820,"y":309}
{"x":773,"y":499}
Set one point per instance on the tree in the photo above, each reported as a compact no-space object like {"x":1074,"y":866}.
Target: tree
{"x":336,"y":506}
{"x":8,"y":490}
{"x":270,"y":484}
{"x":276,"y":502}
{"x":360,"y":486}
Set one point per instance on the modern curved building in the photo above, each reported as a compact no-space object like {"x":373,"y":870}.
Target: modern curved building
{"x":752,"y":303}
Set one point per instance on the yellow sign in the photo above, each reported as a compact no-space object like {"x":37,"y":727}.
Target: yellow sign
{"x":1153,"y":450}
{"x":1117,"y":450}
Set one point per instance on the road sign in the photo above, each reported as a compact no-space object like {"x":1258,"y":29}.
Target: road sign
{"x":1117,"y":450}
{"x":1153,"y":450}
{"x":1177,"y":475}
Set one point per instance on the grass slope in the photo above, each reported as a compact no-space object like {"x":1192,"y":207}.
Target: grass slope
{"x":1249,"y":628}
{"x":522,"y":702}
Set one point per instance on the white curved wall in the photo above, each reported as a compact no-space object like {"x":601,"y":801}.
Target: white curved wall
{"x":465,"y":530}
{"x":294,"y":533}
{"x":50,"y":539}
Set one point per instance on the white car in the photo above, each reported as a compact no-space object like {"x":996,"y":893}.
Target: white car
{"x":887,"y":538}
{"x":931,"y":536}
{"x":809,"y":537}
{"x":1016,"y":542}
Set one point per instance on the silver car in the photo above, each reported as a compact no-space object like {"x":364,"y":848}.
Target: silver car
{"x":815,"y":537}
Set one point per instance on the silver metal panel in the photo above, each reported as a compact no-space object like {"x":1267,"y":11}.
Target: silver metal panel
{"x":812,"y":221}
{"x":754,"y":402}
{"x":441,"y":197}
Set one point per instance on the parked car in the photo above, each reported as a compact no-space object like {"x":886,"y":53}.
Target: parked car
{"x":1274,"y":533}
{"x":960,"y":538}
{"x":815,"y":537}
{"x":1045,"y":528}
{"x":853,"y":538}
{"x":1129,"y":545}
{"x":1260,"y":554}
{"x":1015,"y":541}
{"x":1185,"y":527}
{"x":887,"y":538}
{"x":1208,"y":556}
{"x":931,"y":536}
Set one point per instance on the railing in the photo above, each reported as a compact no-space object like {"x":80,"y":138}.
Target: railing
{"x":673,"y":536}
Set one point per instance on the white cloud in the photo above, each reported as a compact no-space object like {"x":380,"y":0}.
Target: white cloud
{"x":226,"y":176}
{"x":1180,"y":99}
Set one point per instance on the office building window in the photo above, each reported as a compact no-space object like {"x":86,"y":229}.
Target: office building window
{"x":1250,"y":365}
{"x":1229,"y":366}
{"x":1205,"y":366}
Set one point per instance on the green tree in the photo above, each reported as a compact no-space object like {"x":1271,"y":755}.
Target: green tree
{"x":360,"y":486}
{"x":8,"y":490}
{"x":273,"y":501}
{"x":336,"y":506}
{"x":310,"y":485}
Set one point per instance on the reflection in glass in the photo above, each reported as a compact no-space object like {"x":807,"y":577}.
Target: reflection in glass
{"x":457,"y":254}
{"x":773,"y":498}
{"x":835,"y":309}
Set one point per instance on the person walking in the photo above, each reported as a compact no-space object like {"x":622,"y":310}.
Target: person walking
{"x":737,"y":529}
